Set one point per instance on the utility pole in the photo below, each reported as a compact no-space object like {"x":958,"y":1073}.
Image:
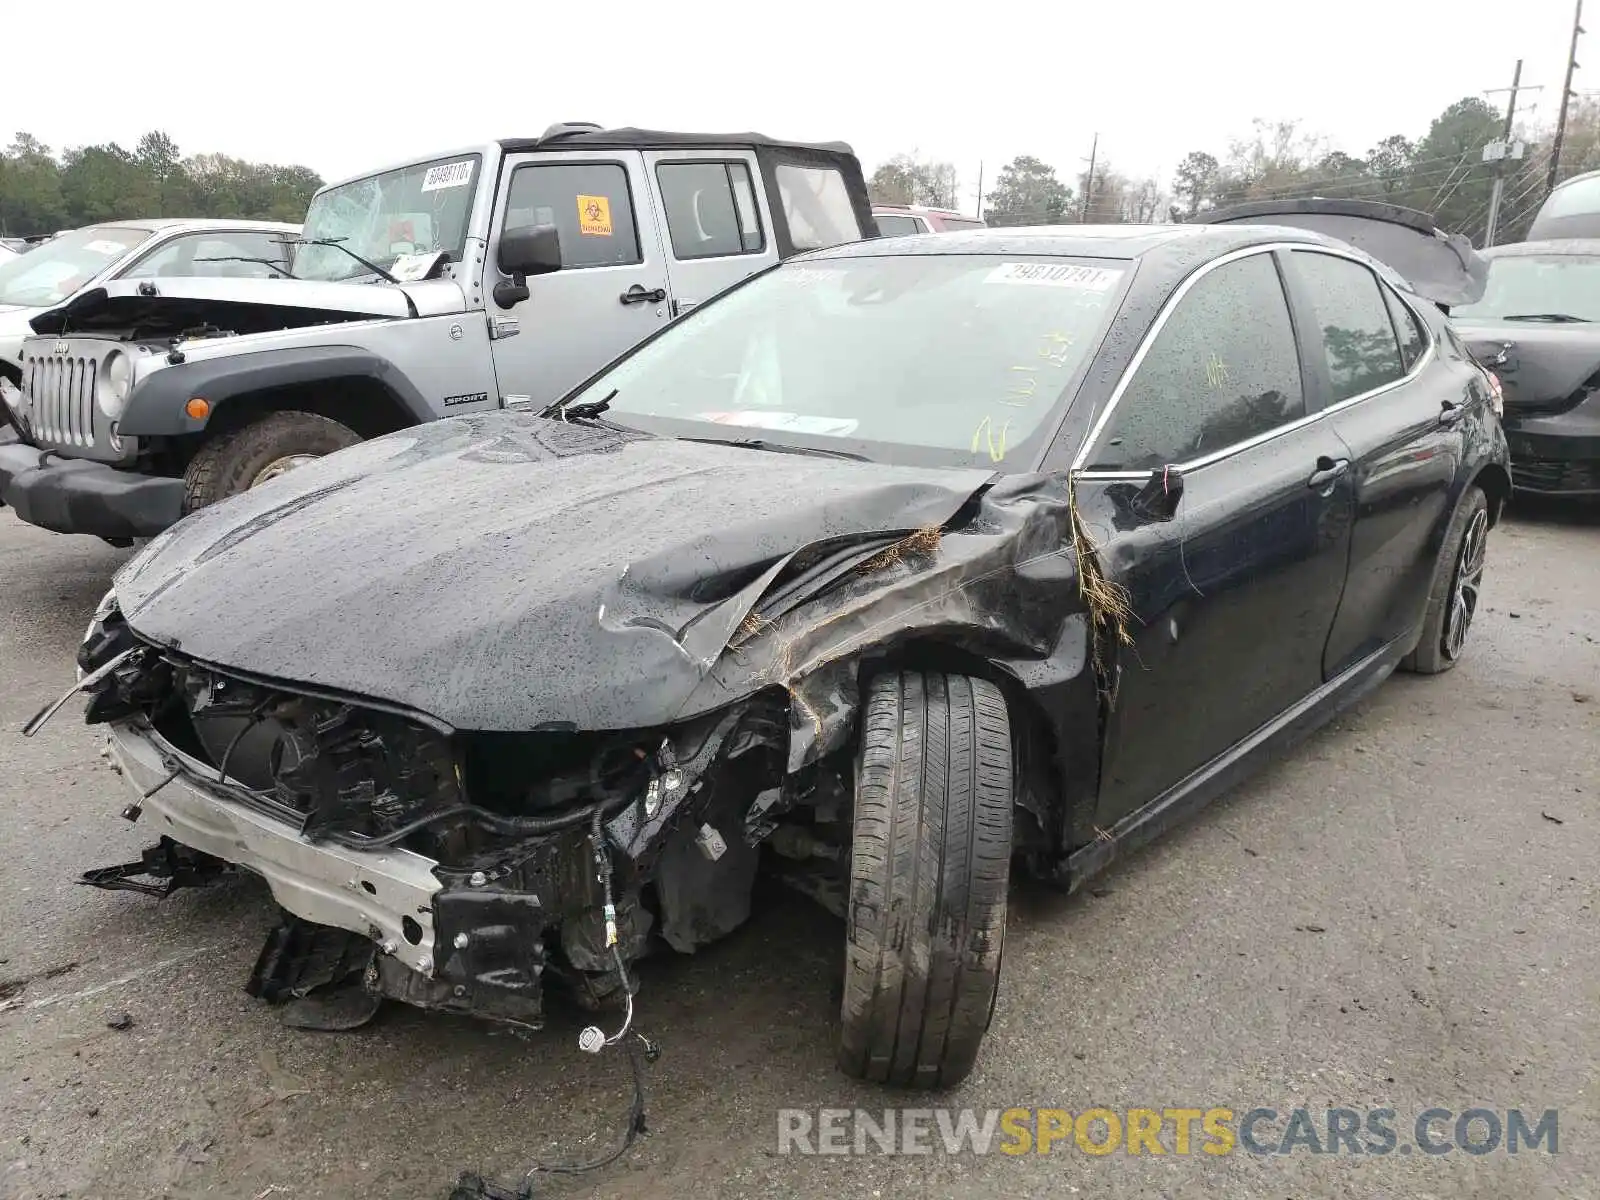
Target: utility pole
{"x":1088,"y":181}
{"x":1500,"y":151}
{"x":1566,"y":94}
{"x":980,"y":189}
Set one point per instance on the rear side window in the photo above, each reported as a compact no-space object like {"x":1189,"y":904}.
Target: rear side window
{"x":711,"y":209}
{"x":1222,"y":370}
{"x":816,"y":206}
{"x":1358,"y":339}
{"x":588,"y":203}
{"x":1413,"y":341}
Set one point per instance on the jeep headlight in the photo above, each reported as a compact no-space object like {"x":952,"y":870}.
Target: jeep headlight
{"x":116,"y":380}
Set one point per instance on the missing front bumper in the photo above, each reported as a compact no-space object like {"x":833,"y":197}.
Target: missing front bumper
{"x":385,"y":895}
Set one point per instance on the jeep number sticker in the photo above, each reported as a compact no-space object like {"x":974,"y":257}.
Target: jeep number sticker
{"x":447,"y":175}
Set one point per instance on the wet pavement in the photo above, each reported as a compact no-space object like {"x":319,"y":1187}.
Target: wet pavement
{"x":1402,"y":913}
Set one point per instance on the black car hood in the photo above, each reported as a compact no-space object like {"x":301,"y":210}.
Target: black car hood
{"x":507,"y":572}
{"x":1546,"y":365}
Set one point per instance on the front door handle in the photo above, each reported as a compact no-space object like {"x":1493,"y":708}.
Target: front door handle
{"x":637,"y":294}
{"x":1450,"y":412}
{"x":1328,"y":470}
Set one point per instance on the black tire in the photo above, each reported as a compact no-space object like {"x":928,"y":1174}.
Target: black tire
{"x":230,"y":464}
{"x":929,"y":865}
{"x":1436,"y":650}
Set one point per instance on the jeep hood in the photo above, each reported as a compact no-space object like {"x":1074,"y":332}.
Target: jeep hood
{"x":508,"y":572}
{"x":166,"y":306}
{"x":1546,"y":366}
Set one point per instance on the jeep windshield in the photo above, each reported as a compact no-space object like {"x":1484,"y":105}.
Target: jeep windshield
{"x":931,"y":359}
{"x":412,"y":210}
{"x":48,"y":274}
{"x":1532,"y":287}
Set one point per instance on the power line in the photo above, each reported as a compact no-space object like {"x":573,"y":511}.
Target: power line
{"x":1566,"y":95}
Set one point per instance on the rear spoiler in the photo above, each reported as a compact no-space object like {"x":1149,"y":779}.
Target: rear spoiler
{"x":1438,"y":266}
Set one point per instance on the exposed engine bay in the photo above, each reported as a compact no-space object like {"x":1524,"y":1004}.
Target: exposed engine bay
{"x":554,"y":855}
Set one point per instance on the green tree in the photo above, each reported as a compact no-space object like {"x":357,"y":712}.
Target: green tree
{"x":1194,"y":184}
{"x":906,"y":179}
{"x":30,"y":188}
{"x":1027,"y":192}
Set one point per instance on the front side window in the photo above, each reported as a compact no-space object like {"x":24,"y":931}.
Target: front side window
{"x":816,"y":206}
{"x":227,"y":255}
{"x":1358,"y":338}
{"x":588,"y":203}
{"x":413,"y":210}
{"x":48,"y":274}
{"x":1557,"y":288}
{"x":938,"y":359}
{"x":1224,"y":368}
{"x":711,"y":209}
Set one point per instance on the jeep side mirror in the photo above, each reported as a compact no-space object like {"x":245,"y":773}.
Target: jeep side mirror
{"x":525,"y":250}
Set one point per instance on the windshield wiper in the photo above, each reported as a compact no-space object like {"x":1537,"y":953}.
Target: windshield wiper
{"x":778,"y":447}
{"x":338,"y":244}
{"x":581,"y":412}
{"x":265,"y":262}
{"x":1555,"y":318}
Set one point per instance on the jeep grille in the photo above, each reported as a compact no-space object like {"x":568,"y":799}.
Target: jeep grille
{"x":61,"y":389}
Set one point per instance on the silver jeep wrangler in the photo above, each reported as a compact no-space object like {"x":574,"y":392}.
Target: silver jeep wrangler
{"x":505,"y":273}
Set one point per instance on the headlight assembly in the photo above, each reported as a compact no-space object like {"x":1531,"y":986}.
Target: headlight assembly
{"x":116,"y":381}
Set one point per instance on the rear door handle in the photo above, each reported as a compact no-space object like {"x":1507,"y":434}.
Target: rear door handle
{"x":1450,"y":412}
{"x":1328,"y":470}
{"x":638,"y":295}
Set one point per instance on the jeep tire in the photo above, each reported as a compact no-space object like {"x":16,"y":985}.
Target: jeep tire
{"x":238,"y":461}
{"x":929,"y":865}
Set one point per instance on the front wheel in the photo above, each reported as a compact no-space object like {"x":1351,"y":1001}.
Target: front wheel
{"x":1457,"y":586}
{"x":258,"y":453}
{"x":930,"y":862}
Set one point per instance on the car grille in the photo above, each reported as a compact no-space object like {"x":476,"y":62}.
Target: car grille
{"x":1556,"y":474}
{"x":61,"y":407}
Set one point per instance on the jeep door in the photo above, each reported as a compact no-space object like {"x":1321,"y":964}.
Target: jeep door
{"x":611,"y":290}
{"x":718,"y":226}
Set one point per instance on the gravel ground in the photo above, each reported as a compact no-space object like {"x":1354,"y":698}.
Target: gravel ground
{"x":1402,"y":913}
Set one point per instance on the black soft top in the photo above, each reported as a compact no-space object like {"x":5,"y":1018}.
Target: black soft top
{"x":594,"y":137}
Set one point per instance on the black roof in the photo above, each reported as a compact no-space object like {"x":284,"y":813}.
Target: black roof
{"x":589,"y":136}
{"x":1586,"y":247}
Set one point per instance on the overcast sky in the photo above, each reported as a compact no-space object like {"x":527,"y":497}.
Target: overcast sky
{"x":344,"y":86}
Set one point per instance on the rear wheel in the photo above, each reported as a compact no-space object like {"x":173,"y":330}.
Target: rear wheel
{"x":259,"y":453}
{"x":929,"y":866}
{"x":1457,"y":585}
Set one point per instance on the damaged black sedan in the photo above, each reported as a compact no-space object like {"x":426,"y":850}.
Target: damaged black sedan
{"x":893,"y":566}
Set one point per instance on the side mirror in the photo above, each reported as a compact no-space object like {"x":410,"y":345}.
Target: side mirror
{"x":525,"y":250}
{"x":530,"y":250}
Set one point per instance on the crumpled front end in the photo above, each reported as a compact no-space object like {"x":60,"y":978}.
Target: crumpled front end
{"x":463,"y":869}
{"x":449,"y":870}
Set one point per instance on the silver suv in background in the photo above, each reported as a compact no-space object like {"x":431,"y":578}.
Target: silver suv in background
{"x":502,"y":273}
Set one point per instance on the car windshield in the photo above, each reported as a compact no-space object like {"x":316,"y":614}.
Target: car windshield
{"x":412,"y":210}
{"x":48,"y":274}
{"x":932,"y":359}
{"x":1537,"y":285}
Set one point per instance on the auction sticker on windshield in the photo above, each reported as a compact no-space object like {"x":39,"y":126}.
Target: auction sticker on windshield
{"x":104,"y":247}
{"x":1093,"y":279}
{"x":793,"y":422}
{"x":447,"y":175}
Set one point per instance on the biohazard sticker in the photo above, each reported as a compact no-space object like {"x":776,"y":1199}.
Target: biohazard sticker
{"x":1090,"y":279}
{"x":594,"y":216}
{"x":447,"y":175}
